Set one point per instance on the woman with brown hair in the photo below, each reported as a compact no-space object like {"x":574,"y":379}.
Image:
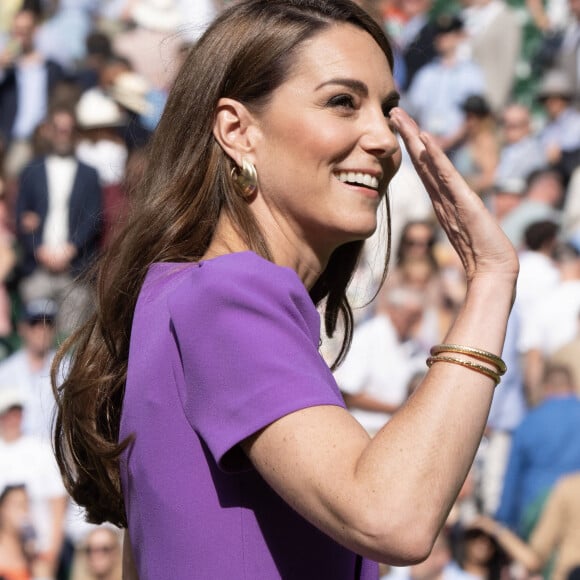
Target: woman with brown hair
{"x":197,"y":409}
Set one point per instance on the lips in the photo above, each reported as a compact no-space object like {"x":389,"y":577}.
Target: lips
{"x":358,"y":178}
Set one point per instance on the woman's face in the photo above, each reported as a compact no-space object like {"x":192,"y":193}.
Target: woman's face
{"x":418,"y":240}
{"x":326,"y":151}
{"x":479,"y":548}
{"x":14,"y":510}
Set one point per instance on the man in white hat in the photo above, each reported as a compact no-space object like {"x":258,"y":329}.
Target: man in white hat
{"x":28,"y":369}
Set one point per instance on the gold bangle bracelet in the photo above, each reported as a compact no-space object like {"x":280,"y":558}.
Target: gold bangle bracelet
{"x":467,"y":364}
{"x":477,"y":353}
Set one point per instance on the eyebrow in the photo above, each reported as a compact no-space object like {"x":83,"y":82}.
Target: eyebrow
{"x":358,"y":87}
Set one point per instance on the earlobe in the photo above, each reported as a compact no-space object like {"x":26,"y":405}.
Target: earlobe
{"x":233,"y":129}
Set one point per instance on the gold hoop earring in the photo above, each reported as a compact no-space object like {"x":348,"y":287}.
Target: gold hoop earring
{"x":246,"y":178}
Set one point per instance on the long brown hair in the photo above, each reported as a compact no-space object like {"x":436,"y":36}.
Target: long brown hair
{"x":245,"y":55}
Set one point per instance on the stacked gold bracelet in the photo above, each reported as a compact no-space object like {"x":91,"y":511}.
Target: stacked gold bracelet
{"x":481,"y":355}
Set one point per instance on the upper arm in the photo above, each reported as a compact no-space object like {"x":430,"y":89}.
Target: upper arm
{"x":309,"y":458}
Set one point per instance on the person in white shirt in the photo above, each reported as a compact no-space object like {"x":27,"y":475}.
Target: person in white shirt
{"x":28,"y":369}
{"x":58,"y":222}
{"x":382,"y":361}
{"x":26,"y":460}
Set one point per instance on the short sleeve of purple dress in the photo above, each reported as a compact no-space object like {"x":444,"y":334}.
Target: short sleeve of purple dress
{"x":219,"y":350}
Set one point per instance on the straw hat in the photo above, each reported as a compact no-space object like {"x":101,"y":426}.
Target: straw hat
{"x":95,"y":110}
{"x":130,"y":89}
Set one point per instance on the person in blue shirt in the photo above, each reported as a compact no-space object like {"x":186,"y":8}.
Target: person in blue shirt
{"x":546,"y":446}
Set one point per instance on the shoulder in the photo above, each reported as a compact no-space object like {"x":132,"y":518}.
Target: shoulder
{"x":240,"y":292}
{"x":15,"y":360}
{"x":35,"y":167}
{"x":242,"y":276}
{"x":569,"y":484}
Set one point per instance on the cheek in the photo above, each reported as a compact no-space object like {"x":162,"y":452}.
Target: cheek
{"x":309,"y":138}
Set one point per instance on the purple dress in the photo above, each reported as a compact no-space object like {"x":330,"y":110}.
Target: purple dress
{"x":219,"y":350}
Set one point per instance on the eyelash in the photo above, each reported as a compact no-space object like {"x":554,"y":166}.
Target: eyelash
{"x":342,"y":101}
{"x":388,"y":107}
{"x":346,"y":101}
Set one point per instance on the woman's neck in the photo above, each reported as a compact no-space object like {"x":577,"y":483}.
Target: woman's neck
{"x":227,"y":240}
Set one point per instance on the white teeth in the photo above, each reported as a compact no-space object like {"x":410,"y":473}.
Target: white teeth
{"x":359,"y":178}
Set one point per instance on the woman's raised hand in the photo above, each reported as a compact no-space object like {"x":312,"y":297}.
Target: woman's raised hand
{"x":474,"y":233}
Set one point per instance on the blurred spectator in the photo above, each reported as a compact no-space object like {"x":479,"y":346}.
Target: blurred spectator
{"x":27,"y":80}
{"x":553,"y":322}
{"x":540,"y":201}
{"x":99,"y":555}
{"x":545,"y":447}
{"x":152,"y":45}
{"x":505,"y":195}
{"x":477,"y":153}
{"x":142,"y":105}
{"x":549,"y":16}
{"x":539,"y":275}
{"x":508,"y":409}
{"x":382,"y":360}
{"x":196,"y":16}
{"x":560,"y":136}
{"x":557,"y":533}
{"x":569,"y":355}
{"x":417,"y":38}
{"x":440,"y":88}
{"x":571,"y":210}
{"x":493,"y":42}
{"x":568,"y":58}
{"x":58,"y":220}
{"x":7,"y":258}
{"x":18,"y":559}
{"x":28,"y":369}
{"x":521,"y":151}
{"x":29,"y":461}
{"x":7,"y":264}
{"x":62,"y":36}
{"x":480,"y":553}
{"x":101,"y":146}
{"x":416,"y":267}
{"x":440,"y":564}
{"x":99,"y":52}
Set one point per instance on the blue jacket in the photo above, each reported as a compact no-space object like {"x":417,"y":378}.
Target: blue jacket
{"x":84,"y":216}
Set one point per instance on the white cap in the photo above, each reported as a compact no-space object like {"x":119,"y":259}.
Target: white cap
{"x":10,"y":398}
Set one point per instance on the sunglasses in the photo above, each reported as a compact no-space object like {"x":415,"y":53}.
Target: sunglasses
{"x":418,"y":243}
{"x":41,"y":321}
{"x":90,"y":550}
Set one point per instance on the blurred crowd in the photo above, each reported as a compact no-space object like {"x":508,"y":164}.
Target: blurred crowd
{"x":83,"y":84}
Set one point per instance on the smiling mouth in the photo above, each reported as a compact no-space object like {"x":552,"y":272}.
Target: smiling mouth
{"x":359,"y":179}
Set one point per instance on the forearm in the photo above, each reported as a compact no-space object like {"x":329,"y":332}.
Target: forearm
{"x":422,"y":456}
{"x":517,"y":549}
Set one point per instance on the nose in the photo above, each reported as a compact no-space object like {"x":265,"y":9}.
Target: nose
{"x":379,"y":138}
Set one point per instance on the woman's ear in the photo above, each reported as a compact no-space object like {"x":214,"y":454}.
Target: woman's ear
{"x":235,"y":129}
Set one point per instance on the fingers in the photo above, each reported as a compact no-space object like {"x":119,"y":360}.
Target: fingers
{"x":431,"y":162}
{"x":410,"y":134}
